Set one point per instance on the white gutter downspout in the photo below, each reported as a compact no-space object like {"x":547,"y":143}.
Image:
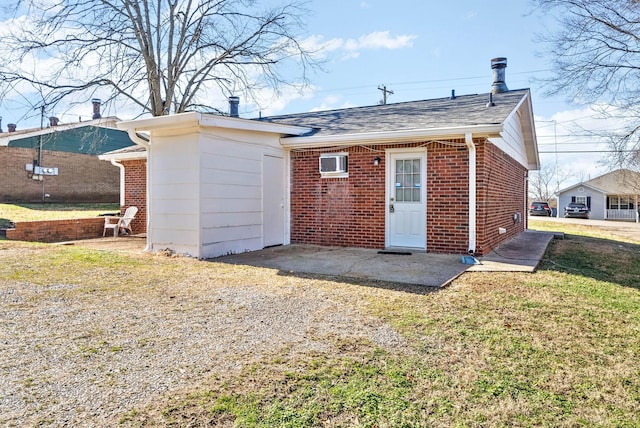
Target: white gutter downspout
{"x":144,"y":143}
{"x":468,"y":139}
{"x":119,"y":165}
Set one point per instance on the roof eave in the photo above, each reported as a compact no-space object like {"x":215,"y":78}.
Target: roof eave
{"x":384,"y":137}
{"x":190,"y":119}
{"x":123,"y":156}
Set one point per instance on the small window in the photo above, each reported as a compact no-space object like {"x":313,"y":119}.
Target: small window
{"x":334,"y":165}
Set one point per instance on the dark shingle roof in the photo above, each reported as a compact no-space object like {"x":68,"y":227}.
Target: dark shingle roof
{"x":465,"y":110}
{"x":621,"y":181}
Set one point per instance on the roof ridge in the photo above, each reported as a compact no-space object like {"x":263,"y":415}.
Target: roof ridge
{"x":397,"y":104}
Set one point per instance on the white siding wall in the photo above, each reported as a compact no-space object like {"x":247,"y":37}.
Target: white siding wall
{"x":512,"y":141}
{"x":174,"y":193}
{"x":231,"y":190}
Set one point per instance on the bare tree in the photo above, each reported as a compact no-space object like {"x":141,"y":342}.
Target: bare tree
{"x":156,"y":54}
{"x":544,"y":183}
{"x":595,"y":53}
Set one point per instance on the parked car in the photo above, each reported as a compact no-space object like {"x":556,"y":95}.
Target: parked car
{"x":540,"y":208}
{"x":575,"y":209}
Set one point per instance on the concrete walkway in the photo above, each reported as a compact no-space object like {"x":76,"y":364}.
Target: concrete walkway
{"x":522,"y":253}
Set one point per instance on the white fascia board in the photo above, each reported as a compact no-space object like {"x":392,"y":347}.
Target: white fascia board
{"x":123,"y":156}
{"x":391,"y":136}
{"x":524,"y":111}
{"x":180,"y":120}
{"x":190,"y":119}
{"x":252,"y":125}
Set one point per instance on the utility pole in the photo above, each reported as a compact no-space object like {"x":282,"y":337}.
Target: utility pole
{"x":385,"y":91}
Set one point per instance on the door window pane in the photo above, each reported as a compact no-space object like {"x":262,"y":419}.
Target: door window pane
{"x":408,"y":180}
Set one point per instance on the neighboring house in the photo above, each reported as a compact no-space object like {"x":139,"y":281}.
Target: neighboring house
{"x":59,"y":163}
{"x":445,"y":175}
{"x":611,"y":196}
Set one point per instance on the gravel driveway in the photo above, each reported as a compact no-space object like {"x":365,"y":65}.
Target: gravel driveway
{"x":74,"y":355}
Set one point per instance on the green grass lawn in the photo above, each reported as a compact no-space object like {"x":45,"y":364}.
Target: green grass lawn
{"x":556,"y":348}
{"x":560,"y":347}
{"x":31,"y":212}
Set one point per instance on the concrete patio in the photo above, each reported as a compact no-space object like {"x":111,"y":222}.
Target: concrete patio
{"x":520,"y":254}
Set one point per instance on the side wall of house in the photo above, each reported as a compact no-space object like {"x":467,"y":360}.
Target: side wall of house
{"x":174,"y":193}
{"x":351,"y":211}
{"x":135,"y":192}
{"x":232,"y":191}
{"x":81,"y":178}
{"x":501,"y":190}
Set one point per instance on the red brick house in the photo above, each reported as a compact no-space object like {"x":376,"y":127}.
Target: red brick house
{"x":445,"y":175}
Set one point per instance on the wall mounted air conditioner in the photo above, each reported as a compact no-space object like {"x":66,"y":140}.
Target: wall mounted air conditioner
{"x":334,"y":163}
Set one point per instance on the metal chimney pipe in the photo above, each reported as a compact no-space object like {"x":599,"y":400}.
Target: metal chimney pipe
{"x":0,"y":123}
{"x":234,"y":102}
{"x":96,"y":108}
{"x":498,"y":65}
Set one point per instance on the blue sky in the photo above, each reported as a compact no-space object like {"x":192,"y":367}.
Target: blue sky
{"x":421,"y":50}
{"x":424,"y":49}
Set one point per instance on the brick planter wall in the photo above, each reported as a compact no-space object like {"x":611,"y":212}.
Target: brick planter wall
{"x":57,"y":230}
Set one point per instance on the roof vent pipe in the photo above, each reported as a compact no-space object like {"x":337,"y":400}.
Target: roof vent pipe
{"x":11,"y":127}
{"x":0,"y":123}
{"x":498,"y":65}
{"x":491,"y":103}
{"x":96,"y":108}
{"x":53,"y":121}
{"x":234,"y":102}
{"x":453,"y":94}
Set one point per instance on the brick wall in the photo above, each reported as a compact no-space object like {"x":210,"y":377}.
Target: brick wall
{"x":135,"y":193}
{"x":351,"y":211}
{"x":448,"y":198}
{"x":81,"y":178}
{"x":501,"y":190}
{"x":57,"y":230}
{"x":338,"y":211}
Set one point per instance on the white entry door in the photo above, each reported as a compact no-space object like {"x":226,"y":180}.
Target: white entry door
{"x":273,"y":200}
{"x":406,"y":200}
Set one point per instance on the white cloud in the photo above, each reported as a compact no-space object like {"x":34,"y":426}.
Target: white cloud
{"x":379,"y":40}
{"x":352,"y":47}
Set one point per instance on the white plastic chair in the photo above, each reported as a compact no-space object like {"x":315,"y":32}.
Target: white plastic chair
{"x":120,"y":224}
